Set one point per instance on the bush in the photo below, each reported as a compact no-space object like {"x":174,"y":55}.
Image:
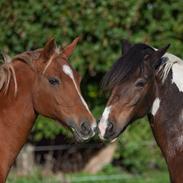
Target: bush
{"x":138,"y":150}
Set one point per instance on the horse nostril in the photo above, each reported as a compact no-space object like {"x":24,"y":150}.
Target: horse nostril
{"x":109,"y":130}
{"x":110,"y":127}
{"x":85,"y":128}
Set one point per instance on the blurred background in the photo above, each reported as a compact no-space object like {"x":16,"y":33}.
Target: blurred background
{"x":51,"y":154}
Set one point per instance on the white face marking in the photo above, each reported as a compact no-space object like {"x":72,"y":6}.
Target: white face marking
{"x":177,"y":76}
{"x":104,"y":121}
{"x":155,"y":106}
{"x":68,"y":71}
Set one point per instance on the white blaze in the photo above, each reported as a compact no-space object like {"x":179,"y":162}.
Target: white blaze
{"x":177,"y":76}
{"x":68,"y":71}
{"x":155,"y":106}
{"x":104,"y":121}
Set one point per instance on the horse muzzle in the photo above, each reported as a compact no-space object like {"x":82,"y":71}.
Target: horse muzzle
{"x":84,"y":132}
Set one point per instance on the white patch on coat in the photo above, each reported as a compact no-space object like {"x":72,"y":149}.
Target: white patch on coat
{"x":155,"y":106}
{"x":68,"y":71}
{"x":171,"y":150}
{"x":177,"y":75}
{"x":175,"y":139}
{"x":104,"y":122}
{"x":180,"y":142}
{"x":177,"y":142}
{"x":176,"y":145}
{"x":181,"y":116}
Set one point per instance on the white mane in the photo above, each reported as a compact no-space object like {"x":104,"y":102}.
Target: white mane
{"x":166,"y":67}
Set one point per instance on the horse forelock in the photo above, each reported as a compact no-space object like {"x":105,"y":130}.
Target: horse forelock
{"x":126,"y":65}
{"x":58,"y":51}
{"x":48,"y":63}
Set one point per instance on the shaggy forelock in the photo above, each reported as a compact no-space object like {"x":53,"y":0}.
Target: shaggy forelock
{"x":125,"y":65}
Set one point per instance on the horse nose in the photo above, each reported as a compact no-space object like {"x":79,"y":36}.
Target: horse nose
{"x":109,"y":130}
{"x":86,"y":129}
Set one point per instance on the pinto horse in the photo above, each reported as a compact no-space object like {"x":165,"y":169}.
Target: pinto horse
{"x":39,"y":82}
{"x":147,"y":81}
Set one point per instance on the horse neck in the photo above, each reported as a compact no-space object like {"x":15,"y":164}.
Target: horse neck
{"x":166,"y":120}
{"x":17,"y":116}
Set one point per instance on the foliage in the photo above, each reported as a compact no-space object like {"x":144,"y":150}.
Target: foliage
{"x":101,"y":24}
{"x":47,"y":128}
{"x":138,"y":150}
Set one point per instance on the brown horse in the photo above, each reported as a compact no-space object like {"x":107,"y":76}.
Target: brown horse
{"x":145,"y":81}
{"x":39,"y":82}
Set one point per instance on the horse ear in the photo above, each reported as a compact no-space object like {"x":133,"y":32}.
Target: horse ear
{"x":70,"y":48}
{"x":49,"y":49}
{"x":156,"y":56}
{"x":125,"y":46}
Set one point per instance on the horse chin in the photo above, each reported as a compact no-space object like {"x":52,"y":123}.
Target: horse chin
{"x":113,"y":139}
{"x":109,"y":139}
{"x":78,"y":137}
{"x":114,"y":136}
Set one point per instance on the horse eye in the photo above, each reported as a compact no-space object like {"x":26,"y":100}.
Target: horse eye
{"x":140,"y":83}
{"x":53,"y":81}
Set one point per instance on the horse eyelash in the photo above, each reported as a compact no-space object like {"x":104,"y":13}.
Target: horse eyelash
{"x":140,"y":83}
{"x":53,"y":81}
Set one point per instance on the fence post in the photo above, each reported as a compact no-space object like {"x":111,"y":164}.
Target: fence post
{"x":25,"y":160}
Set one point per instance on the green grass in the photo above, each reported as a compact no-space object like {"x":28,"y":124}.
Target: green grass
{"x":108,"y":175}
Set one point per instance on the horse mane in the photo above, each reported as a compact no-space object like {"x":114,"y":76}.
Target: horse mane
{"x":28,"y":56}
{"x":125,"y":65}
{"x":165,"y":68}
{"x":7,"y":70}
